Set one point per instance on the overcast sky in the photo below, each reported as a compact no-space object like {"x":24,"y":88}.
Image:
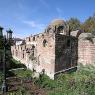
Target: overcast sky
{"x":26,"y":17}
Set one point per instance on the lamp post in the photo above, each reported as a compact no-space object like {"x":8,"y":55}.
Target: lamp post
{"x":5,"y":43}
{"x":9,"y":34}
{"x":1,"y":47}
{"x":4,"y":85}
{"x":1,"y":34}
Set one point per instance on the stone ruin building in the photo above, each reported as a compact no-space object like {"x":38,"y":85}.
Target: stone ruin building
{"x":52,"y":52}
{"x":55,"y":50}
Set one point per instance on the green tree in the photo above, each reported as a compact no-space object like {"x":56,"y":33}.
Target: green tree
{"x":74,"y":24}
{"x":89,"y":24}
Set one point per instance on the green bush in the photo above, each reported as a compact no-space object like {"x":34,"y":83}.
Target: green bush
{"x":81,"y":82}
{"x":16,"y":64}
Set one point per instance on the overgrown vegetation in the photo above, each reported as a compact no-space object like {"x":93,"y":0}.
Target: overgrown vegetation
{"x":16,"y":64}
{"x":22,"y":73}
{"x":19,"y":71}
{"x":81,"y":82}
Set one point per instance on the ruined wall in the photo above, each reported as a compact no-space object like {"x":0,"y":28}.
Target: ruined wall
{"x":86,"y":47}
{"x":66,"y":52}
{"x":17,"y":52}
{"x":52,"y":51}
{"x":86,"y":51}
{"x":46,"y":53}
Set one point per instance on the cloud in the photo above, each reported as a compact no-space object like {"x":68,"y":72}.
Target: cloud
{"x":34,"y":24}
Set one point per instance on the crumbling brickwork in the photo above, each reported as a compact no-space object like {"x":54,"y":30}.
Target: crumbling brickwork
{"x":52,"y":51}
{"x":66,"y":51}
{"x":86,"y":49}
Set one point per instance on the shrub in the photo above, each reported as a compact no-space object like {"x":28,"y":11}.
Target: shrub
{"x":16,"y":64}
{"x":81,"y":82}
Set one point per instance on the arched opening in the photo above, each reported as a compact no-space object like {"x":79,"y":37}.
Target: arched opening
{"x":44,"y":43}
{"x":60,"y":28}
{"x":29,"y":39}
{"x":23,"y":54}
{"x":33,"y":38}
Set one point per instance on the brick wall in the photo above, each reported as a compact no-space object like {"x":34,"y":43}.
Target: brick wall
{"x":86,"y":52}
{"x":46,"y":53}
{"x":66,"y":51}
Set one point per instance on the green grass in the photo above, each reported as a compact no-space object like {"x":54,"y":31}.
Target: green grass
{"x":15,"y":61}
{"x":19,"y":72}
{"x":81,"y":82}
{"x":23,"y":73}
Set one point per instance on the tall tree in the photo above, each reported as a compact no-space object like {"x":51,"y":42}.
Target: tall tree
{"x":89,"y":24}
{"x":74,"y":24}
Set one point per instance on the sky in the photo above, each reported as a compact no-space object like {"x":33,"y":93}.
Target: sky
{"x":26,"y":17}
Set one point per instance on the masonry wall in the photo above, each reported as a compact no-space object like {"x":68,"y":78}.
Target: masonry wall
{"x":46,"y":53}
{"x":66,"y":52}
{"x":86,"y":52}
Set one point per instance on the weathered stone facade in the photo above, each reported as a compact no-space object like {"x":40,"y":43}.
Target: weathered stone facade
{"x":51,"y":52}
{"x":86,"y":47}
{"x":66,"y":51}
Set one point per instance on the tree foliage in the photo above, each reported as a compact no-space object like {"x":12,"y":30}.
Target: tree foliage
{"x":74,"y":24}
{"x":89,"y":24}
